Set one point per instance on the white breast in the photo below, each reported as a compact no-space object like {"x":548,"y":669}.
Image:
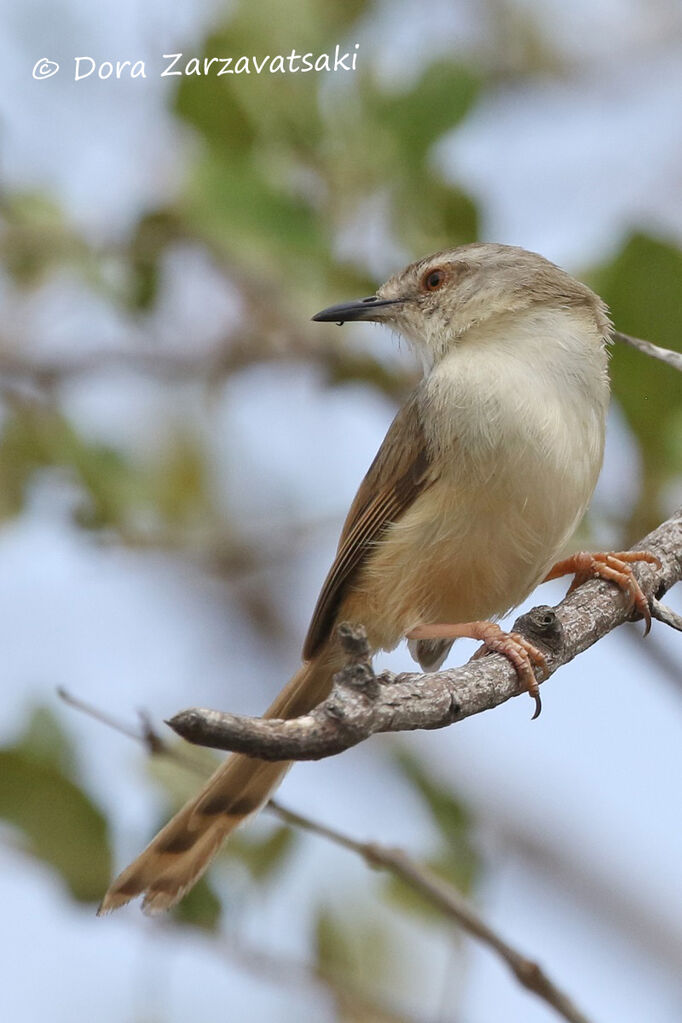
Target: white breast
{"x":515,"y":418}
{"x":522,"y":406}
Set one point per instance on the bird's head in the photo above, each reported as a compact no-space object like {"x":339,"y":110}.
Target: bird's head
{"x":436,"y":301}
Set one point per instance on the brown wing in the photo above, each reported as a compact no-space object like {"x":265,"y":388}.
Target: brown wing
{"x":399,"y":473}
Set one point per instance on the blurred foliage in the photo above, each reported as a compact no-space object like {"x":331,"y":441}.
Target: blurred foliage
{"x":59,"y":822}
{"x":642,"y":287}
{"x":286,"y":166}
{"x":264,"y":857}
{"x":456,"y":860}
{"x":286,"y":162}
{"x":360,"y":955}
{"x":200,"y":907}
{"x":169,"y":490}
{"x":35,"y":239}
{"x":36,"y":436}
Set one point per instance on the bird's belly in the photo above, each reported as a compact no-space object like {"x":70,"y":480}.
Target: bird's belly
{"x":468,"y":550}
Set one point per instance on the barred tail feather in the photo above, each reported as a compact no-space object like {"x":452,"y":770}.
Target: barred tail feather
{"x":180,"y":853}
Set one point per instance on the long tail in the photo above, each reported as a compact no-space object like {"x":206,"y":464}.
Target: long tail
{"x":177,"y":857}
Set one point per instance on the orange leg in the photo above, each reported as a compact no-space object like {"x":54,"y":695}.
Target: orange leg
{"x":522,"y":654}
{"x":614,"y":567}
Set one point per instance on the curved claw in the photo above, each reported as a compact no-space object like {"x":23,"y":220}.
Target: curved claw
{"x":613,"y":567}
{"x":512,"y":645}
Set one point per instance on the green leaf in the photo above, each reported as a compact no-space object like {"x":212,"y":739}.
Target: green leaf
{"x":283,"y":171}
{"x":419,"y":117}
{"x":171,"y":492}
{"x":35,"y":238}
{"x":367,"y":959}
{"x":263,"y":857}
{"x":452,"y":817}
{"x":180,"y":482}
{"x":44,"y":740}
{"x":200,"y":907}
{"x":154,"y":234}
{"x":352,"y":945}
{"x":442,"y":216}
{"x":457,"y":861}
{"x":232,"y":202}
{"x":214,"y":109}
{"x":642,"y":287}
{"x":235,"y":112}
{"x":61,"y":824}
{"x":36,"y":436}
{"x":333,"y":949}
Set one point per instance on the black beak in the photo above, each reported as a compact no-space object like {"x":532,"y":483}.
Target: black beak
{"x":363,"y":309}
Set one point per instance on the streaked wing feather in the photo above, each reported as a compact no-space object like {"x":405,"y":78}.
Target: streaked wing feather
{"x":399,"y":473}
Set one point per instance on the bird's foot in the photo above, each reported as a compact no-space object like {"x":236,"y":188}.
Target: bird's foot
{"x":615,"y":567}
{"x":515,"y":647}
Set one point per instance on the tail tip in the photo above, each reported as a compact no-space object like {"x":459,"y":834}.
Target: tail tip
{"x":111,"y":901}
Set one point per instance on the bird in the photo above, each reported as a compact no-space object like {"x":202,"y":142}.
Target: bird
{"x":479,"y":484}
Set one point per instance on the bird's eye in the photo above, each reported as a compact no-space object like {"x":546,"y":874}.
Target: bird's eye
{"x":433,"y":279}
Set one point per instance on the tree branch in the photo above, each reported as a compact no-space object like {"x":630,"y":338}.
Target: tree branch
{"x":671,"y":358}
{"x":362,"y":703}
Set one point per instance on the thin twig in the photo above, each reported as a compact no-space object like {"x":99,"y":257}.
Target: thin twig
{"x":154,"y":744}
{"x":362,"y":704}
{"x":671,"y":358}
{"x":443,"y":896}
{"x":666,"y":615}
{"x":100,"y":715}
{"x":449,"y":901}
